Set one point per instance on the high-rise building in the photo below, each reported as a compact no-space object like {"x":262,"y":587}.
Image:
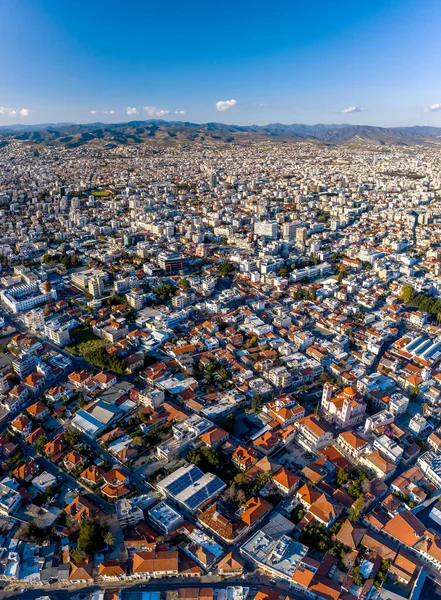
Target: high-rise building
{"x":266,"y":229}
{"x":212,"y":180}
{"x":171,"y":263}
{"x":301,"y":234}
{"x":96,"y":287}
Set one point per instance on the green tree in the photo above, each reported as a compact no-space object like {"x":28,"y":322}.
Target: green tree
{"x":91,"y":537}
{"x":228,"y":423}
{"x":261,"y":480}
{"x":77,"y":555}
{"x":253,"y":341}
{"x":223,"y":373}
{"x":42,"y":441}
{"x":194,"y":456}
{"x":108,"y":539}
{"x":72,"y":437}
{"x":108,"y":362}
{"x":342,"y":273}
{"x":164,"y":292}
{"x":226,"y":268}
{"x":354,"y":489}
{"x":407,"y":293}
{"x":342,"y":476}
{"x":256,"y":403}
{"x":358,"y":577}
{"x":414,"y":392}
{"x":355,"y":510}
{"x":137,"y":441}
{"x":241,"y":480}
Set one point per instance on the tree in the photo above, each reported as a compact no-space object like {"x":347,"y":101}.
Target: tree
{"x":338,"y":551}
{"x":241,"y":480}
{"x":414,"y":392}
{"x":358,"y":577}
{"x":108,"y":539}
{"x":72,"y":437}
{"x":342,"y":273}
{"x":164,"y":292}
{"x":355,"y":510}
{"x":102,"y":359}
{"x":407,"y":293}
{"x":138,"y":441}
{"x":37,"y":534}
{"x":261,"y":480}
{"x":354,"y":489}
{"x":297,"y":514}
{"x":342,"y":476}
{"x":211,"y":456}
{"x":223,"y":373}
{"x":194,"y":456}
{"x":228,"y":423}
{"x":256,"y":403}
{"x":77,"y":555}
{"x":253,"y":341}
{"x":382,"y":572}
{"x":90,"y":538}
{"x":42,"y":441}
{"x":225,"y":269}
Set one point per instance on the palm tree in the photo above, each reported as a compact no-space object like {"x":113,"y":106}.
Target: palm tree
{"x":109,"y":540}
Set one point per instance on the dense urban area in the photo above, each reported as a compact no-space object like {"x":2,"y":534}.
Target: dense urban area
{"x":220,"y":371}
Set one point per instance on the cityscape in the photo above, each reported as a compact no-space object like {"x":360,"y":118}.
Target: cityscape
{"x":220,"y":301}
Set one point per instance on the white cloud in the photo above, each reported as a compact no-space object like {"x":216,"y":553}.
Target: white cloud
{"x":93,"y":112}
{"x":352,"y":109}
{"x":152,"y":111}
{"x":24,"y":112}
{"x":109,"y":112}
{"x":131,"y":111}
{"x":179,"y":112}
{"x":9,"y":112}
{"x":432,"y":107}
{"x":225,"y":104}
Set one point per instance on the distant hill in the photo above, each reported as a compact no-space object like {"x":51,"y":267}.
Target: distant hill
{"x":71,"y":135}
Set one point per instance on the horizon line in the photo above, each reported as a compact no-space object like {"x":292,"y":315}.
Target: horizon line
{"x":67,"y":123}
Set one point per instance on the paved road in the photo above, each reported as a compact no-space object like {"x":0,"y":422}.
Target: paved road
{"x":135,"y":586}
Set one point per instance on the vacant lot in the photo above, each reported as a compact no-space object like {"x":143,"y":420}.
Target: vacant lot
{"x":83,"y":341}
{"x":99,"y":193}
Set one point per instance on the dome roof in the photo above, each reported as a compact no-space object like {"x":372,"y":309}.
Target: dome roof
{"x":349,"y":391}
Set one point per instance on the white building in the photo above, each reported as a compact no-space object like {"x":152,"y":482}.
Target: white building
{"x":430,"y":465}
{"x":389,"y":448}
{"x":164,"y":517}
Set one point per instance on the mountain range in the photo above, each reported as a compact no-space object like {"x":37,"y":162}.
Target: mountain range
{"x":72,"y":135}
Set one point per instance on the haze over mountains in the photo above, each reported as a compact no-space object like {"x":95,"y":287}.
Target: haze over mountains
{"x":71,"y":135}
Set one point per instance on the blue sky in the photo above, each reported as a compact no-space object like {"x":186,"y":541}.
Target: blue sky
{"x":285,"y":61}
